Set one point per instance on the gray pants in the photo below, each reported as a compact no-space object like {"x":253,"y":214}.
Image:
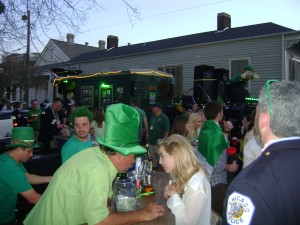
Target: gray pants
{"x":153,"y":149}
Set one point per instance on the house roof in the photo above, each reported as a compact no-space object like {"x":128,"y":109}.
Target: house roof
{"x":72,"y":49}
{"x":188,"y":40}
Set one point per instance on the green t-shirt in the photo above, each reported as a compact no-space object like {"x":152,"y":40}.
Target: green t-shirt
{"x":78,"y":191}
{"x":12,"y":181}
{"x":73,"y":146}
{"x":157,"y":127}
{"x":36,"y":124}
{"x":142,"y":115}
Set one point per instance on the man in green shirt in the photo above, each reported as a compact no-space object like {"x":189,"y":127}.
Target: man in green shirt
{"x":33,"y":116}
{"x":159,"y":128}
{"x":81,"y":119}
{"x":143,"y":128}
{"x":14,"y":179}
{"x":81,"y":187}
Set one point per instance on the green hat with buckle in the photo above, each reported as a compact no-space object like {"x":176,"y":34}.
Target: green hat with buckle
{"x":121,"y":130}
{"x":22,"y":137}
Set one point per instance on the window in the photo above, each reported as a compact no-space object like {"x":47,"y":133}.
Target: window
{"x":176,"y":71}
{"x":87,"y":96}
{"x":52,"y":54}
{"x":171,"y":70}
{"x":294,"y":69}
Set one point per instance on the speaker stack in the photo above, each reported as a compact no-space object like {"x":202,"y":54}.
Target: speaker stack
{"x":205,"y":84}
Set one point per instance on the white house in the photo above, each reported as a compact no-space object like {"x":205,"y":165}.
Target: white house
{"x":272,"y":50}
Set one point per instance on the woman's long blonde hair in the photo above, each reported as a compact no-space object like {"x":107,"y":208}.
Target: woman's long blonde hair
{"x":186,"y":162}
{"x":192,"y":131}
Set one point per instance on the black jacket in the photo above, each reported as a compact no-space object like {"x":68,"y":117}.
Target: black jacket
{"x":268,"y":190}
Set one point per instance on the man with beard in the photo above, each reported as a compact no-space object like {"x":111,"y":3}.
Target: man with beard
{"x":267,"y":191}
{"x":80,"y":119}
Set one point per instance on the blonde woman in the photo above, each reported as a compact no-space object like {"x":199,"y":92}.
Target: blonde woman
{"x":189,"y":193}
{"x":193,"y":127}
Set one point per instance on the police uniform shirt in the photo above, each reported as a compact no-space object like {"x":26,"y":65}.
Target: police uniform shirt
{"x":21,"y":121}
{"x":268,"y":190}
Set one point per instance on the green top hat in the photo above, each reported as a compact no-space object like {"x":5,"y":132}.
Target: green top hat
{"x":22,"y":137}
{"x":121,"y":130}
{"x":248,"y":67}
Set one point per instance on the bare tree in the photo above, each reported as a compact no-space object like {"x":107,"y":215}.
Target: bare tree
{"x":24,"y":22}
{"x":45,"y":16}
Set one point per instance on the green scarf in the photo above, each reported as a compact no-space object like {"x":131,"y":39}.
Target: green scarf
{"x":211,"y":142}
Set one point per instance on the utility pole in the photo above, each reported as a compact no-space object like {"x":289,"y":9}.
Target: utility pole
{"x":27,"y":18}
{"x":28,"y":57}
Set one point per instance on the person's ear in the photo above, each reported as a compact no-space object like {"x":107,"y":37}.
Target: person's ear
{"x":264,"y":119}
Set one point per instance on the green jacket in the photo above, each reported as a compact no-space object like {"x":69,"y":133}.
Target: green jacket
{"x":211,"y":142}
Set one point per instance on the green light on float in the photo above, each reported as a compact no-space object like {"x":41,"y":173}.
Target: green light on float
{"x":250,"y":99}
{"x":103,"y":85}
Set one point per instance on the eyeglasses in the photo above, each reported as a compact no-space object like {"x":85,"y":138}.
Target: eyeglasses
{"x":267,"y":86}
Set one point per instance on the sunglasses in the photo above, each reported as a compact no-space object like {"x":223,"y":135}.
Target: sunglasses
{"x":267,"y":86}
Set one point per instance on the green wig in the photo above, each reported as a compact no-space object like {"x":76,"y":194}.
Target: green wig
{"x":81,"y":112}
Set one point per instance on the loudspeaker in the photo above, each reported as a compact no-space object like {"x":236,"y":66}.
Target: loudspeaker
{"x":221,"y":74}
{"x":205,"y":83}
{"x":203,"y":72}
{"x":237,"y":92}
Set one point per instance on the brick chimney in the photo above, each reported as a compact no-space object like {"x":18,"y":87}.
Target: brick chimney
{"x":101,"y":44}
{"x":112,"y":41}
{"x":224,"y":20}
{"x":70,"y":38}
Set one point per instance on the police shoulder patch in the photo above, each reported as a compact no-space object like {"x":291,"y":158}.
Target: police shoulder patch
{"x":240,"y":209}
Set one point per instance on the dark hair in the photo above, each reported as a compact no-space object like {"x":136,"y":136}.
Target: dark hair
{"x":179,"y":125}
{"x":18,"y":104}
{"x":99,"y":116}
{"x":106,"y":150}
{"x":252,"y":119}
{"x":34,"y":100}
{"x":212,"y":109}
{"x":133,"y":101}
{"x":57,"y":100}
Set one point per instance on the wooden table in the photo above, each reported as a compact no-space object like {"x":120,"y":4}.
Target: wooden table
{"x":160,"y":180}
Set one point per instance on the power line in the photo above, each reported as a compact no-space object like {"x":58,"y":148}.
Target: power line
{"x":157,"y":15}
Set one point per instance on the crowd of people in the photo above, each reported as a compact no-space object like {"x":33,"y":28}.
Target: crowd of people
{"x":197,"y":151}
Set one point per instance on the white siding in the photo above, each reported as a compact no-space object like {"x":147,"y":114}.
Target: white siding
{"x":265,"y":55}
